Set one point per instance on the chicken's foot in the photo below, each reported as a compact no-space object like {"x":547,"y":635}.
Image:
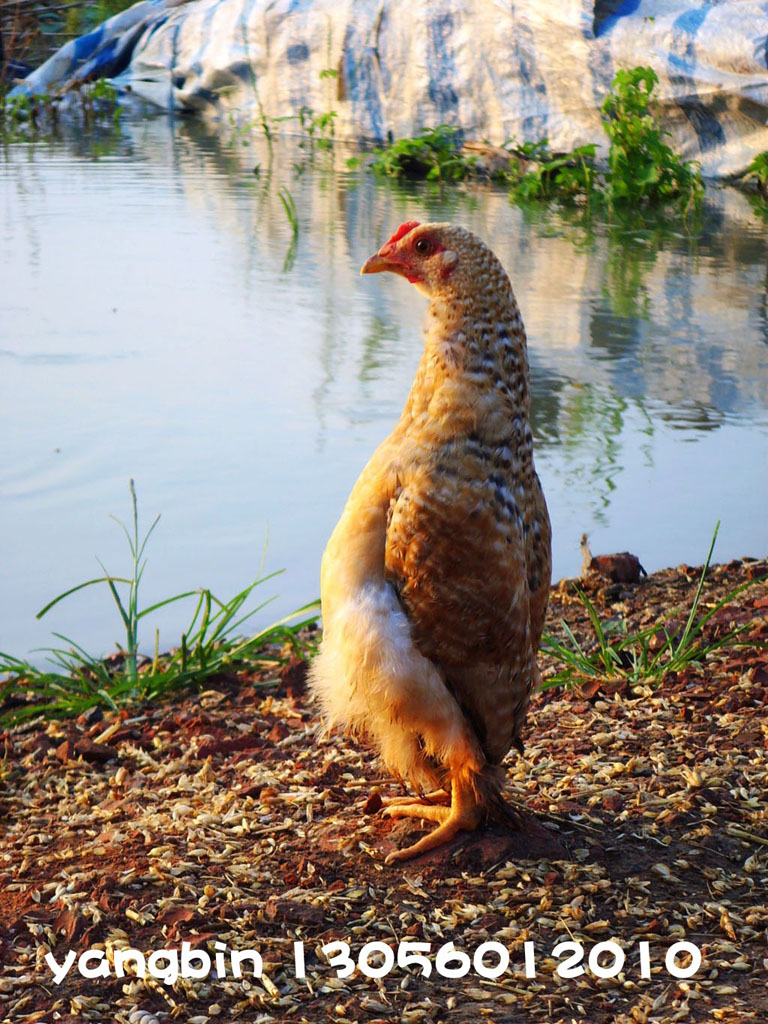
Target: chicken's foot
{"x":465,"y":812}
{"x":437,"y":796}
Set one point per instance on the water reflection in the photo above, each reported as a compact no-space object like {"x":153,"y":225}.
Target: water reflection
{"x":155,"y":329}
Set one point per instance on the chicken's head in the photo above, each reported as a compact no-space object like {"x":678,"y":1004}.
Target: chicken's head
{"x":434,"y":257}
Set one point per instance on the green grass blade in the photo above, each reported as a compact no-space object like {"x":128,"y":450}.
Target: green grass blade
{"x":110,"y":581}
{"x":147,"y":535}
{"x":697,"y":597}
{"x":166,"y":601}
{"x":73,"y":590}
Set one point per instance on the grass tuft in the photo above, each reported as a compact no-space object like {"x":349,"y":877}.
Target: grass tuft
{"x":211,"y":645}
{"x":646,"y":656}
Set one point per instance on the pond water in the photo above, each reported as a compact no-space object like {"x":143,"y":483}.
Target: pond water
{"x":157,"y":324}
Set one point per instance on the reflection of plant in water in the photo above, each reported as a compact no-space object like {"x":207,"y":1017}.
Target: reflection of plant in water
{"x":590,"y":422}
{"x":631,"y":241}
{"x":635,"y":239}
{"x":626,"y":268}
{"x":378,"y":344}
{"x":434,"y":203}
{"x":293,"y":219}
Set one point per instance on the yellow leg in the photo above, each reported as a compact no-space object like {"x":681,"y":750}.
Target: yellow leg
{"x":464,"y":812}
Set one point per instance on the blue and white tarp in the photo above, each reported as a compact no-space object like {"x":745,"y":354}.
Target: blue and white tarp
{"x":499,"y":69}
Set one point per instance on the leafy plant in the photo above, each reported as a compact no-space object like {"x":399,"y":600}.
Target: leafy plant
{"x":210,"y":645}
{"x":641,"y":166}
{"x":100,"y":100}
{"x":320,"y":128}
{"x":570,"y":177}
{"x":434,"y":155}
{"x":647,"y":655}
{"x":24,"y":117}
{"x":757,"y":172}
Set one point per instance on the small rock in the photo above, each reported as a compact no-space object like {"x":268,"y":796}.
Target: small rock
{"x":621,"y":567}
{"x":94,"y":753}
{"x":293,"y":678}
{"x":64,"y":751}
{"x":374,"y":803}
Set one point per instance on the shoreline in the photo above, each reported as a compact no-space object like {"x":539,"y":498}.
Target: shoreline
{"x":225,"y":817}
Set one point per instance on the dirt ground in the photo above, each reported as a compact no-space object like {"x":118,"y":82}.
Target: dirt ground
{"x":226,"y":821}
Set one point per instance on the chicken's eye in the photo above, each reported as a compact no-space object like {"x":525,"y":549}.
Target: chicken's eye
{"x":422,"y":246}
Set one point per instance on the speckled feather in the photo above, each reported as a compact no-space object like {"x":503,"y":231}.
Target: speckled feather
{"x":448,"y":525}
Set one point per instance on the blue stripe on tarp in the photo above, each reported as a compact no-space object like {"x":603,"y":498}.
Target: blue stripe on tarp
{"x":360,"y":75}
{"x":174,"y":63}
{"x":534,"y":124}
{"x":114,"y":56}
{"x":688,"y":24}
{"x":85,"y":45}
{"x":628,"y":7}
{"x":196,"y":65}
{"x":440,"y":29}
{"x":249,"y":74}
{"x":709,"y":131}
{"x":599,"y":58}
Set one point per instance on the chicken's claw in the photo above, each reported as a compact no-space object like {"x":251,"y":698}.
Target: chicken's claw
{"x":465,"y":812}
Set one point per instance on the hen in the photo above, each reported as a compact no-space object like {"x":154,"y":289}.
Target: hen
{"x":435,"y":581}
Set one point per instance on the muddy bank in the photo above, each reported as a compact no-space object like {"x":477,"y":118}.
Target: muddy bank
{"x":225,"y":818}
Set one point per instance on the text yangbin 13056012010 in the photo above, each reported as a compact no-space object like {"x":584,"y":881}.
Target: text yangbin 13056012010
{"x":378,"y":959}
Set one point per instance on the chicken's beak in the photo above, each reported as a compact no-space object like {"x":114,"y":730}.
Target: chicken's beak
{"x":375,"y":265}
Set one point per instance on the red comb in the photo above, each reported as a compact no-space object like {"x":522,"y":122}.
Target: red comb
{"x":402,"y":230}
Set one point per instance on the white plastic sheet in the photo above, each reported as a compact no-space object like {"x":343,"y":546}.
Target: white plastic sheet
{"x":498,"y":69}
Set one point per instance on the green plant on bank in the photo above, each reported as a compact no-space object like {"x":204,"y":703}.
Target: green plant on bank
{"x":434,"y":154}
{"x":211,"y":645}
{"x":645,"y":656}
{"x":566,"y":177}
{"x":641,"y":169}
{"x":757,"y":173}
{"x":641,"y":166}
{"x":26,"y":117}
{"x":99,"y":101}
{"x":319,"y":128}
